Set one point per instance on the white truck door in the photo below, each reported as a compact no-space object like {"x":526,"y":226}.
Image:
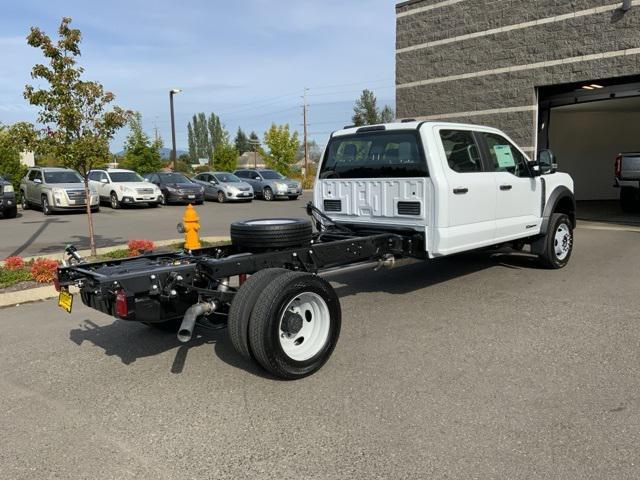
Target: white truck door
{"x":518,"y":194}
{"x":469,"y":207}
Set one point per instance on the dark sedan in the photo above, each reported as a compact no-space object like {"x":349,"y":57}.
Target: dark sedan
{"x":176,"y":188}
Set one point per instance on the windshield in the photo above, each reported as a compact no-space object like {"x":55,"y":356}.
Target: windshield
{"x":125,"y":177}
{"x":173,"y":178}
{"x":62,"y":177}
{"x":271,"y":175}
{"x":226,"y":178}
{"x":374,"y":155}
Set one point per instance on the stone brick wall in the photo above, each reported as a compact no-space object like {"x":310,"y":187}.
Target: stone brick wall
{"x":572,"y":37}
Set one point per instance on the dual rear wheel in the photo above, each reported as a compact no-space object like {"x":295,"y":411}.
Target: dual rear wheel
{"x":289,"y":322}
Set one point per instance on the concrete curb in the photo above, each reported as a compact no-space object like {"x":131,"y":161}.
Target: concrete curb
{"x":46,"y":292}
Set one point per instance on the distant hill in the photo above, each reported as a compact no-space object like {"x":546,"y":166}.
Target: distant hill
{"x":165,"y":153}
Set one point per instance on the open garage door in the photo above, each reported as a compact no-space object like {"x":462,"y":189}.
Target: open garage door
{"x":587,"y":125}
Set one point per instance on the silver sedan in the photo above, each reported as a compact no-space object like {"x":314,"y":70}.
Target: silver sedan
{"x":224,"y":187}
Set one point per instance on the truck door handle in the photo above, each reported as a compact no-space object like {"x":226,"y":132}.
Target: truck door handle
{"x":506,"y":187}
{"x":460,"y":191}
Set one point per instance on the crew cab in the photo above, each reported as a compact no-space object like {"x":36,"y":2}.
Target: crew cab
{"x":627,"y":179}
{"x":53,"y":189}
{"x":417,"y":190}
{"x":123,"y":187}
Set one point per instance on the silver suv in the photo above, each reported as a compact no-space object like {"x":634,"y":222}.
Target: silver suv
{"x":53,"y":189}
{"x":270,"y":184}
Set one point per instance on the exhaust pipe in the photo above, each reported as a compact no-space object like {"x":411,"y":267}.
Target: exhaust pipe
{"x":189,"y":320}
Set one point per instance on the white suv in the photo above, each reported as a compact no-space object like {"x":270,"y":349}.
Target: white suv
{"x":124,"y":187}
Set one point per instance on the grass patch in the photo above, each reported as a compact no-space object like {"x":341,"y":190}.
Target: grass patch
{"x":11,"y":277}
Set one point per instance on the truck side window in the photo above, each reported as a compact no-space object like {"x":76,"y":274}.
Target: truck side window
{"x":504,"y":156}
{"x":32,"y":175}
{"x":462,"y":152}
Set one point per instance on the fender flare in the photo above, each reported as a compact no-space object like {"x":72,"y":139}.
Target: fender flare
{"x":559,"y":193}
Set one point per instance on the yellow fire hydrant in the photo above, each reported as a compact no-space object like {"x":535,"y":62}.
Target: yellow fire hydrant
{"x":191,"y":227}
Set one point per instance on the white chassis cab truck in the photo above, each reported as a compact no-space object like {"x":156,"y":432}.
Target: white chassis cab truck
{"x":413,"y":190}
{"x":458,"y":187}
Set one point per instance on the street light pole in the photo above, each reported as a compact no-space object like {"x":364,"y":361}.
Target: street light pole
{"x":172,"y":92}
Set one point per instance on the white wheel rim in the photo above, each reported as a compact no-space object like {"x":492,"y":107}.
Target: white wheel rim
{"x":306,"y":321}
{"x":271,"y":222}
{"x":562,"y":241}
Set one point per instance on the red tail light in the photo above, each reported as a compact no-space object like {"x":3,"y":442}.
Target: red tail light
{"x":618,"y":167}
{"x":122,"y":308}
{"x":242,"y":278}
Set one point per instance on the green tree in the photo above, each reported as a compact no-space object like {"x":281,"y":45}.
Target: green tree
{"x":242,"y":142}
{"x":192,"y":144}
{"x":217,"y":133}
{"x":202,"y":146}
{"x":78,"y":114}
{"x":225,"y":157}
{"x":140,"y":153}
{"x":15,"y":139}
{"x":366,"y":112}
{"x":183,"y":164}
{"x":282,"y":145}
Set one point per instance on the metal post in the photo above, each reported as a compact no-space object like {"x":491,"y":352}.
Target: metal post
{"x":173,"y":131}
{"x":306,"y":144}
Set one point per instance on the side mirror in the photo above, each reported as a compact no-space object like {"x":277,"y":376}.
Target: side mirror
{"x":546,"y":162}
{"x":37,"y":180}
{"x":257,"y":177}
{"x":104,"y":180}
{"x":213,"y":182}
{"x":146,"y":180}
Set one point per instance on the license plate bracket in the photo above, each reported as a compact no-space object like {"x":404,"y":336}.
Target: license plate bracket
{"x":65,"y":300}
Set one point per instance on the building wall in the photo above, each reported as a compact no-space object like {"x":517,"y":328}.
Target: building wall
{"x":480,"y":61}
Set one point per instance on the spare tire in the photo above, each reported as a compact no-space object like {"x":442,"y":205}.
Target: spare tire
{"x":271,"y":233}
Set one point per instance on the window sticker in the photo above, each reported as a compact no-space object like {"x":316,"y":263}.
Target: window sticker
{"x":504,"y":156}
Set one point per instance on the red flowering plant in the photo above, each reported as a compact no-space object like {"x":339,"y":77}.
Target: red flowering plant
{"x":43,"y":270}
{"x":14,"y":263}
{"x":138,"y":247}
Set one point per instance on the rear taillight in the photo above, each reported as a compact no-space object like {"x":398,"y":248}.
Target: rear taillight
{"x":618,"y":167}
{"x":122,"y":308}
{"x":242,"y":278}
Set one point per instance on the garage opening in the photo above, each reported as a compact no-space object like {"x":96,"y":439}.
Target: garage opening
{"x":587,"y":125}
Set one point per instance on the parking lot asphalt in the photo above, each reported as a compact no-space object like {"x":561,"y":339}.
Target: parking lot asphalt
{"x":31,"y":233}
{"x":477,"y":366}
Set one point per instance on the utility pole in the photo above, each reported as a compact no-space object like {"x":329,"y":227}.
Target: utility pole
{"x":306,"y":144}
{"x":172,"y":92}
{"x":255,"y":144}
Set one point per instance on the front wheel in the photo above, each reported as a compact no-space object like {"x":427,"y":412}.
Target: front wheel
{"x":163,"y":201}
{"x":11,"y":213}
{"x":295,"y":325}
{"x":558,"y":242}
{"x":221,"y":197}
{"x":24,"y":202}
{"x":46,"y":208}
{"x":113,"y":200}
{"x":267,"y":194}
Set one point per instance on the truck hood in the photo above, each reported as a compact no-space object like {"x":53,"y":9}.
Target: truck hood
{"x":136,"y":185}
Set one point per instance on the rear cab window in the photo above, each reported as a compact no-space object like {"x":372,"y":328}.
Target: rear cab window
{"x":381,"y":154}
{"x":461,"y":150}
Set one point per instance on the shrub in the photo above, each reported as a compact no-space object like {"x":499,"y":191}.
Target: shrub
{"x":11,"y":277}
{"x":138,"y":247}
{"x":43,"y":270}
{"x":14,"y":263}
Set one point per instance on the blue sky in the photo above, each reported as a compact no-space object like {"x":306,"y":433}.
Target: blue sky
{"x":247,"y":60}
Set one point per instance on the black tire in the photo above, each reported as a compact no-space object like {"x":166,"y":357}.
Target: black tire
{"x":95,"y":209}
{"x":163,"y":201}
{"x":153,"y":204}
{"x":221,"y":197}
{"x":113,"y":201}
{"x":242,"y":306}
{"x":549,"y":258}
{"x":271,"y":233}
{"x":265,"y":325}
{"x":46,"y":208}
{"x":11,"y":213}
{"x":293,"y":197}
{"x":630,"y":199}
{"x":24,"y":202}
{"x":267,"y":194}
